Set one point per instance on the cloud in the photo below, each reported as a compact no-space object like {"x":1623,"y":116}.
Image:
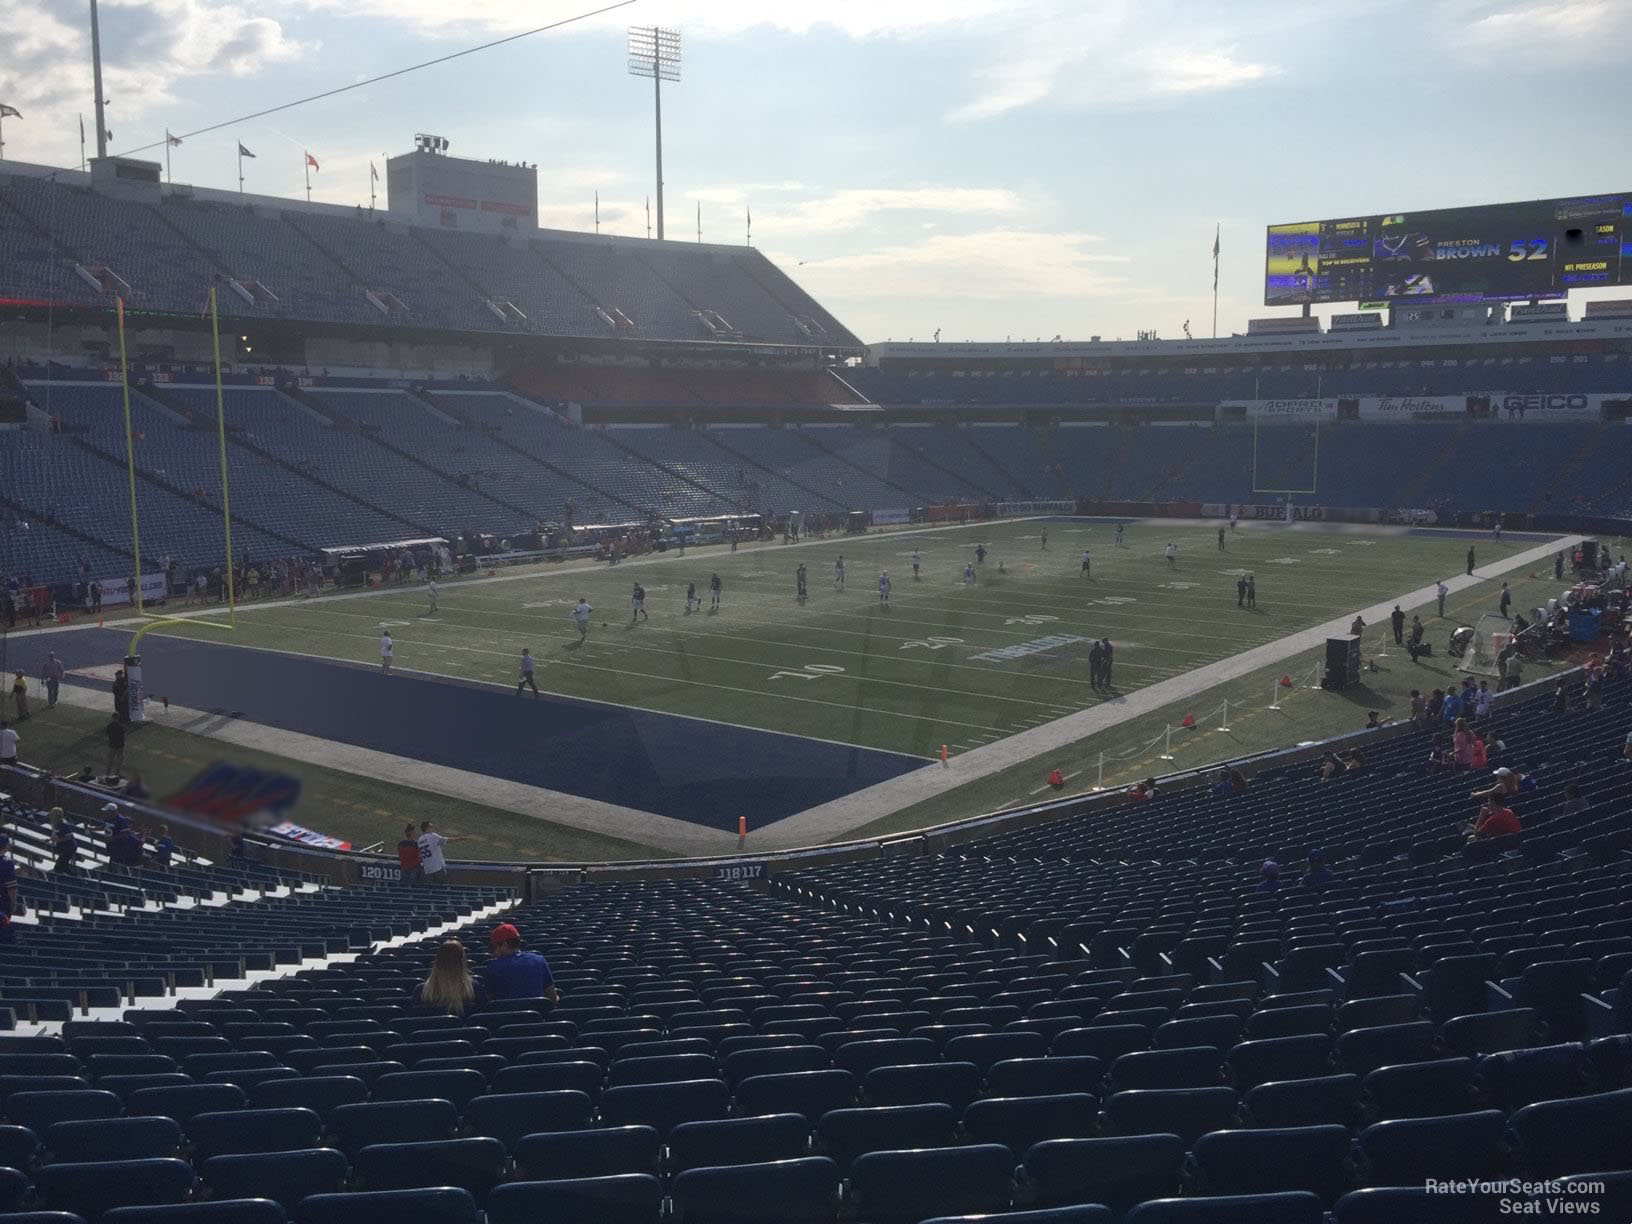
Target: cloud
{"x":856,"y":206}
{"x":147,"y":47}
{"x":856,"y":18}
{"x":1115,"y":52}
{"x":988,"y":265}
{"x":1574,"y":26}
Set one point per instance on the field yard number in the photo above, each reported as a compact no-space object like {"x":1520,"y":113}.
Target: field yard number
{"x":934,"y":643}
{"x":1177,"y":586}
{"x":1361,"y":543}
{"x":812,"y":671}
{"x":1284,"y":561}
{"x":1324,"y":552}
{"x":1113,"y":600}
{"x":1034,"y":618}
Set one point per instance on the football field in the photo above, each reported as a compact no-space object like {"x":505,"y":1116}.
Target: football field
{"x":945,"y":661}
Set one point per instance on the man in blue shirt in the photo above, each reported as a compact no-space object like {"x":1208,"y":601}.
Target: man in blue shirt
{"x":514,"y":974}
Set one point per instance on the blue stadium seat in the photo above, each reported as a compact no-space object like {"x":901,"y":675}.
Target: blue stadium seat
{"x":811,"y":1093}
{"x":244,"y":1131}
{"x":1422,"y":1089}
{"x":630,"y":1198}
{"x":1584,"y":1135}
{"x":664,"y":1106}
{"x":948,"y":1083}
{"x":443,"y":1205}
{"x":1305,"y":1102}
{"x":805,"y":1191}
{"x":223,"y":1211}
{"x":1019,"y":1122}
{"x":773,"y":1060}
{"x":18,"y":1147}
{"x":860,"y":1057}
{"x":1084,"y":1214}
{"x":356,"y":1126}
{"x":1039,"y":1076}
{"x":89,"y":1189}
{"x":14,"y":1187}
{"x":183,"y":1101}
{"x":1181,"y":1067}
{"x":1187,"y":1112}
{"x":38,"y":1110}
{"x":605,"y":1152}
{"x":1105,"y":1042}
{"x":1242,"y":1162}
{"x":1415,"y":1205}
{"x":664,"y":1069}
{"x":1364,"y":1050}
{"x":322,"y":1094}
{"x":508,"y":1116}
{"x":1117,"y":1171}
{"x":1413,"y":1150}
{"x":1289,"y":1208}
{"x":1251,"y":1063}
{"x":1542,"y":1073}
{"x":1489,"y":1032}
{"x":987,"y":1049}
{"x":733,"y":1141}
{"x":578,"y":1076}
{"x":475,"y":1165}
{"x":284,"y":1177}
{"x":113,"y":1139}
{"x":903,"y":1187}
{"x":844,"y":1134}
{"x":460,"y":1087}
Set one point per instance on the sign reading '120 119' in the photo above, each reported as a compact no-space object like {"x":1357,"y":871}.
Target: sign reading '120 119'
{"x":1492,"y":252}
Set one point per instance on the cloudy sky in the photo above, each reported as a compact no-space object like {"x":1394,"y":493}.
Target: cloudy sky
{"x":991,"y":168}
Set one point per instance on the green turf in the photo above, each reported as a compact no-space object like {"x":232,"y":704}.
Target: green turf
{"x":907,"y":678}
{"x":361,"y":810}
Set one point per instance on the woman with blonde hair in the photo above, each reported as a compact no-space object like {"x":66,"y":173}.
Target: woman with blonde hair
{"x":450,"y":987}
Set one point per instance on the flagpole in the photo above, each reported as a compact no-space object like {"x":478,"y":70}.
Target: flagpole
{"x":597,"y":210}
{"x":240,"y":170}
{"x":699,"y":220}
{"x":167,"y":140}
{"x":306,"y":167}
{"x":648,"y":216}
{"x":371,"y":177}
{"x":82,"y":144}
{"x":748,"y":236}
{"x":1216,"y":230}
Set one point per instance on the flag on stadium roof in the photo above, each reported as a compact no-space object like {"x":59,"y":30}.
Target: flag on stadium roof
{"x":174,"y":140}
{"x":312,"y":162}
{"x":9,"y":112}
{"x":243,"y":152}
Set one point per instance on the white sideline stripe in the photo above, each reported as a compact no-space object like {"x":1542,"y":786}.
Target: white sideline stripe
{"x":840,"y":817}
{"x":590,"y":815}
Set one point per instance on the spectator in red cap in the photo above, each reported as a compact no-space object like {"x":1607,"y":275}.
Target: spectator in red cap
{"x":514,"y":974}
{"x":450,"y":987}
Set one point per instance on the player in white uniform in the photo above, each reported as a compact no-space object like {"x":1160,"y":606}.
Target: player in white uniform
{"x":884,"y":588}
{"x":388,"y":649}
{"x":917,"y":560}
{"x":838,"y":574}
{"x":430,"y":596}
{"x":1087,"y":564}
{"x":1119,"y":535}
{"x":968,"y":575}
{"x":1170,"y":553}
{"x":580,"y":617}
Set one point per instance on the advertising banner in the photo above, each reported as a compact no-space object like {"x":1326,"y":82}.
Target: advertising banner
{"x":1414,"y":408}
{"x":1269,"y":411}
{"x":888,"y":518}
{"x":115,"y":596}
{"x":1538,"y":406}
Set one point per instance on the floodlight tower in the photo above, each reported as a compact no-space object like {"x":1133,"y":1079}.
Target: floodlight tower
{"x":655,"y":52}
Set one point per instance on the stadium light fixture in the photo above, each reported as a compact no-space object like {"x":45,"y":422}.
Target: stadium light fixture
{"x":655,"y":52}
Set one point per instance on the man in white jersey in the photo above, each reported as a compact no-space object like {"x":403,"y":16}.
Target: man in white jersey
{"x":1170,"y":552}
{"x":1087,"y":564}
{"x":580,"y":617}
{"x":433,"y":862}
{"x":1119,"y":535}
{"x":838,"y":574}
{"x":430,"y":596}
{"x":388,"y":650}
{"x":884,"y":588}
{"x":917,"y":560}
{"x":526,"y":680}
{"x":968,"y":575}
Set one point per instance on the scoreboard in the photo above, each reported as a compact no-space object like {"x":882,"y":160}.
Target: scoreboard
{"x":1493,"y":252}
